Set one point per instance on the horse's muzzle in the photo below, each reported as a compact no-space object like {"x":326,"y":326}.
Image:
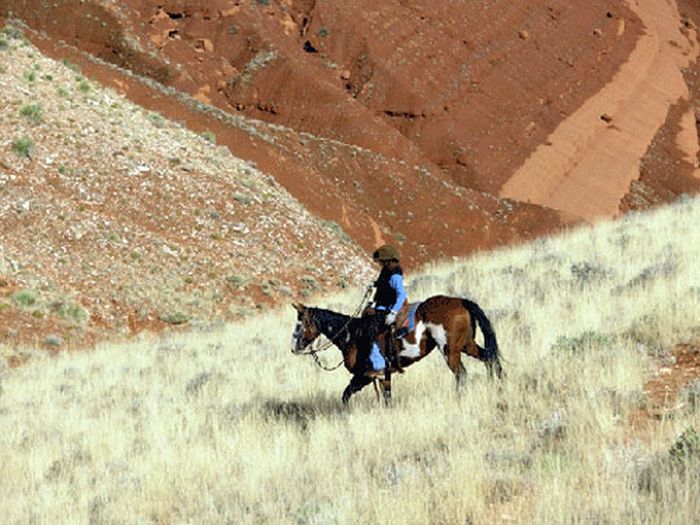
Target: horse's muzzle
{"x":296,"y":347}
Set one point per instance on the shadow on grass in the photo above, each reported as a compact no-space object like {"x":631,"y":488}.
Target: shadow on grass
{"x":302,"y":412}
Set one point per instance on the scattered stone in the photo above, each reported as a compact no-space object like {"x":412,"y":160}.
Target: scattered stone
{"x":175,"y":318}
{"x":240,"y":228}
{"x":606,"y":117}
{"x":523,"y":35}
{"x":204,"y":44}
{"x":53,"y":340}
{"x":597,"y":32}
{"x":139,"y":169}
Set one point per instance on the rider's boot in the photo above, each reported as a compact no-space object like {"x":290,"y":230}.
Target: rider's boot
{"x":391,"y":354}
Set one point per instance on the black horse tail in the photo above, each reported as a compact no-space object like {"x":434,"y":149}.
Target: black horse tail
{"x":490,"y":354}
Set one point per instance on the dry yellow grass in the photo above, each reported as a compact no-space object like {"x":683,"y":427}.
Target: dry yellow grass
{"x":229,"y":427}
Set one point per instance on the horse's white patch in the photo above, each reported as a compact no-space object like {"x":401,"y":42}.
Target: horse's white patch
{"x":347,"y":336}
{"x":439,"y":334}
{"x":412,"y":350}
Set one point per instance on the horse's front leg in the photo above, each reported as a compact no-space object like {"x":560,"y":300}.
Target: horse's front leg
{"x":357,"y":383}
{"x":386,"y":389}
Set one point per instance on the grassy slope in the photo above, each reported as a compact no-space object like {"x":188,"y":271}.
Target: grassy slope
{"x":228,"y":426}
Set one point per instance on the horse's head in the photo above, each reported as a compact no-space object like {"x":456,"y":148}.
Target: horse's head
{"x":305,"y":331}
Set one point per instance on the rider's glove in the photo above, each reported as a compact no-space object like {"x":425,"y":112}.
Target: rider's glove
{"x":390,"y":318}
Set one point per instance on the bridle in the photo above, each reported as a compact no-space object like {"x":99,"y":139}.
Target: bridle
{"x":318,"y":348}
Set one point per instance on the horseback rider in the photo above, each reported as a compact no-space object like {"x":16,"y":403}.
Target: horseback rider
{"x":389,"y":298}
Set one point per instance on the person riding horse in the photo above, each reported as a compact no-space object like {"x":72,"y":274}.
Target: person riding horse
{"x":389,"y":298}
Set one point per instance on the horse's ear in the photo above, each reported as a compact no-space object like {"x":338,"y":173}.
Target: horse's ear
{"x":298,"y":307}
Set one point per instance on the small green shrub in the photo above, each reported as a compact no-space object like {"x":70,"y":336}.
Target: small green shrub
{"x":242,"y":199}
{"x":686,"y":447}
{"x":323,"y":32}
{"x":157,"y":120}
{"x":30,"y":75}
{"x":682,"y":457}
{"x":24,"y":147}
{"x":310,"y":283}
{"x":70,"y":65}
{"x":209,"y":136}
{"x":84,"y":86}
{"x":73,"y":311}
{"x":12,"y":32}
{"x":32,"y":112}
{"x":24,"y":299}
{"x":590,"y":340}
{"x":337,"y":230}
{"x":4,"y":44}
{"x":235,"y":280}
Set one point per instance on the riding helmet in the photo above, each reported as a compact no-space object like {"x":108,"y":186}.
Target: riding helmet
{"x":386,"y":253}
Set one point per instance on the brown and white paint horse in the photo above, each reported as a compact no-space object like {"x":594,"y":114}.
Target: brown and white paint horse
{"x":447,"y":323}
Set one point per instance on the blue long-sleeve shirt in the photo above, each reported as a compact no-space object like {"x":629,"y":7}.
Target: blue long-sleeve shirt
{"x":396,"y":282}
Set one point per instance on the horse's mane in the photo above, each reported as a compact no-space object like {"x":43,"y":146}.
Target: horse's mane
{"x":356,"y":326}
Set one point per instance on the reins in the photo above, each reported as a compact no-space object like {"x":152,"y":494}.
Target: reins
{"x":331,"y":341}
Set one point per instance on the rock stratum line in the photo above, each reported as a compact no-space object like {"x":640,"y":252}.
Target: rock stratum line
{"x":589,"y":161}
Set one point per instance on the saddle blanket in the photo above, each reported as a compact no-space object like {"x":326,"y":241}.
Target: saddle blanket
{"x":406,"y":320}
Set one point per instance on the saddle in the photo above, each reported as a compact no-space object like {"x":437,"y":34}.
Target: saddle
{"x":406,"y":320}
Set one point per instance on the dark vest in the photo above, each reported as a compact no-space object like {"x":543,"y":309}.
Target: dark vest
{"x":385,"y":295}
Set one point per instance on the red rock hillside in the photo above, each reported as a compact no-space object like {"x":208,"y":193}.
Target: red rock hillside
{"x":444,"y":127}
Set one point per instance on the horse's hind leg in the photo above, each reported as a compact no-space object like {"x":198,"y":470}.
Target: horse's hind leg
{"x":493,"y":365}
{"x":357,"y":383}
{"x":454,"y":359}
{"x":461,"y":376}
{"x":454,"y":362}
